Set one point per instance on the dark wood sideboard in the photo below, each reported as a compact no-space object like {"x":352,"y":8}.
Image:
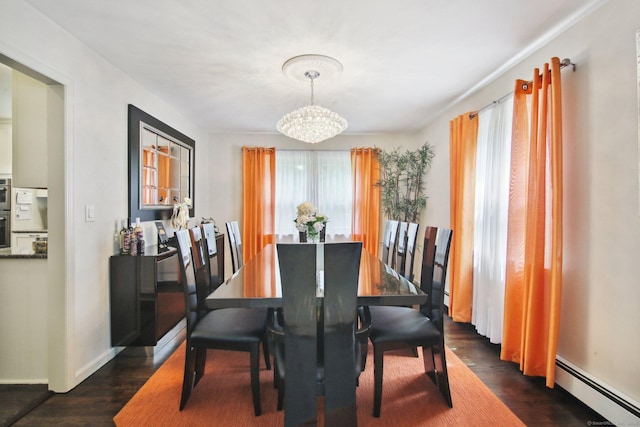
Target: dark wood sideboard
{"x":146,"y":296}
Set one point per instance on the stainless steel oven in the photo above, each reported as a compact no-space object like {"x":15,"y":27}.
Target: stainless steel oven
{"x":5,"y":213}
{"x":5,"y":194}
{"x":5,"y":229}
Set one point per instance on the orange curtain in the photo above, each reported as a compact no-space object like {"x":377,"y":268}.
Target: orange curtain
{"x":463,"y":136}
{"x":534,"y":242}
{"x":365,"y":224}
{"x":258,"y":199}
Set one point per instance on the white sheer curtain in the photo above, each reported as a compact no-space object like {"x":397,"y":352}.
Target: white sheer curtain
{"x":490,"y":227}
{"x":322,"y":177}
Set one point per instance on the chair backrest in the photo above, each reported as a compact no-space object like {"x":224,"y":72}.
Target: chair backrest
{"x":201,"y":260}
{"x":300,"y":279}
{"x":235,"y":245}
{"x":210,"y":248}
{"x":401,"y":243}
{"x":341,"y":272}
{"x":388,"y":244}
{"x":209,"y":233}
{"x":434,"y":307}
{"x":405,"y":255}
{"x":197,"y":247}
{"x":428,"y":258}
{"x":193,"y":295}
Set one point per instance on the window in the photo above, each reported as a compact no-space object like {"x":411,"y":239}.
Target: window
{"x":320,"y":177}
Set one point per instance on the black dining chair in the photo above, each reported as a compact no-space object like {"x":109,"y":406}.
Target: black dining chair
{"x":317,"y":348}
{"x":202,"y":265}
{"x":210,"y":248}
{"x":389,"y":241}
{"x":406,"y":248}
{"x":235,"y":245}
{"x":405,"y":327}
{"x":237,"y":329}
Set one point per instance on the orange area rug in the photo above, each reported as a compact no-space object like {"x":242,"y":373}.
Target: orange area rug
{"x":223,"y":396}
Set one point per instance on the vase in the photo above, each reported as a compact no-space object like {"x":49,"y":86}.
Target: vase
{"x":313,"y":237}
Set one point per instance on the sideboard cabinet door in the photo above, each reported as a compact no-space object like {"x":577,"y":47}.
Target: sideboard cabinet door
{"x":146,"y":297}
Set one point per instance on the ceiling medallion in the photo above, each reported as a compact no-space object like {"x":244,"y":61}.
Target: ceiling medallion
{"x":311,"y":123}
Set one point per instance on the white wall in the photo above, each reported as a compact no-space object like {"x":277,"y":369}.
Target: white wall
{"x":600,"y":316}
{"x":91,"y":168}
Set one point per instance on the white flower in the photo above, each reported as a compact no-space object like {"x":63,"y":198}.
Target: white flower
{"x":308,"y":219}
{"x":306,"y":209}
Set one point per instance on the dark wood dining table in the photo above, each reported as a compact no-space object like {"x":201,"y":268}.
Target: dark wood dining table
{"x":257,"y":284}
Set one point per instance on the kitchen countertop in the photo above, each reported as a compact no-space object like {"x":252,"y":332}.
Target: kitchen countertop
{"x":6,"y":253}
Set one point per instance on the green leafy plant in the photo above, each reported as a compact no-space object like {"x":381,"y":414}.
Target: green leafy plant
{"x":402,"y":182}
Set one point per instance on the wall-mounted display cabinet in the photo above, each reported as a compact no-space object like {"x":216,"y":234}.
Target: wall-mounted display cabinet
{"x":146,"y":296}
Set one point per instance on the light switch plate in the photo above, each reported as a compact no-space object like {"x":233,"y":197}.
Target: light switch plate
{"x":89,"y":213}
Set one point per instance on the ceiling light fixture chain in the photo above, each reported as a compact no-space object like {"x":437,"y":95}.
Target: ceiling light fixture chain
{"x":312,"y":123}
{"x":311,"y":75}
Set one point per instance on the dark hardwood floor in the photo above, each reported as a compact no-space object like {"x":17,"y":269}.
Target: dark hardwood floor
{"x":99,"y":398}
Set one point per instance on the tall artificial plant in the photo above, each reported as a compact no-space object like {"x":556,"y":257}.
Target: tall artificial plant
{"x":402,"y":182}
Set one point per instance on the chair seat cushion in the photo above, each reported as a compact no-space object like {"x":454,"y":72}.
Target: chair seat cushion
{"x":232,"y":325}
{"x":389,"y":324}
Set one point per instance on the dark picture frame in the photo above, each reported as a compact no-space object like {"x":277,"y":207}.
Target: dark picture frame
{"x":137,"y":120}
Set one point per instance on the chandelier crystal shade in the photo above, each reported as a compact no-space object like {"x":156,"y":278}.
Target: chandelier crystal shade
{"x":312,"y":123}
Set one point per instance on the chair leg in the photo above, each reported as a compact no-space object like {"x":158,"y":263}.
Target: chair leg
{"x":378,"y":366}
{"x":254,"y":354}
{"x":188,"y":377}
{"x":363,"y":355}
{"x":429,"y":364}
{"x":280,"y":394}
{"x":266,"y":352}
{"x":201,"y":360}
{"x":435,"y":365}
{"x":275,"y":375}
{"x":441,"y":372}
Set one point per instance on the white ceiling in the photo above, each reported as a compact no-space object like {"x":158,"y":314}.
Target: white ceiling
{"x":219,"y":61}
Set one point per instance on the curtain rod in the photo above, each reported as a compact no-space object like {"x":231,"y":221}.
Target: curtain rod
{"x":564,"y":63}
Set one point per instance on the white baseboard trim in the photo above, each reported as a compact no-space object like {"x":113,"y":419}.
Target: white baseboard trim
{"x":26,"y":381}
{"x":612,"y":404}
{"x":169,"y":342}
{"x":87,"y":370}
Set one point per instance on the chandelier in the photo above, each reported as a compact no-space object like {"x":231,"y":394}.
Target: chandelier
{"x":311,"y":123}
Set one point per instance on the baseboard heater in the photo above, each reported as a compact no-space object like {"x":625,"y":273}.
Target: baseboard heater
{"x":584,"y":387}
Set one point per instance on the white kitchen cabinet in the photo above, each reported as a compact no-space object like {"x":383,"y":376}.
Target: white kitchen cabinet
{"x":29,"y":115}
{"x":5,"y":148}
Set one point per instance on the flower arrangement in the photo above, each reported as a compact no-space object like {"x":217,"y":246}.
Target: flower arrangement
{"x":309,"y":221}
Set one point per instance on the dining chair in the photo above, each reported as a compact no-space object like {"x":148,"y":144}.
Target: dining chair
{"x":400,"y":327}
{"x":209,"y":234}
{"x":202,"y":265}
{"x":401,"y":242}
{"x":237,"y":329}
{"x":317,"y":348}
{"x":407,"y":239}
{"x":388,"y":243}
{"x":235,"y":245}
